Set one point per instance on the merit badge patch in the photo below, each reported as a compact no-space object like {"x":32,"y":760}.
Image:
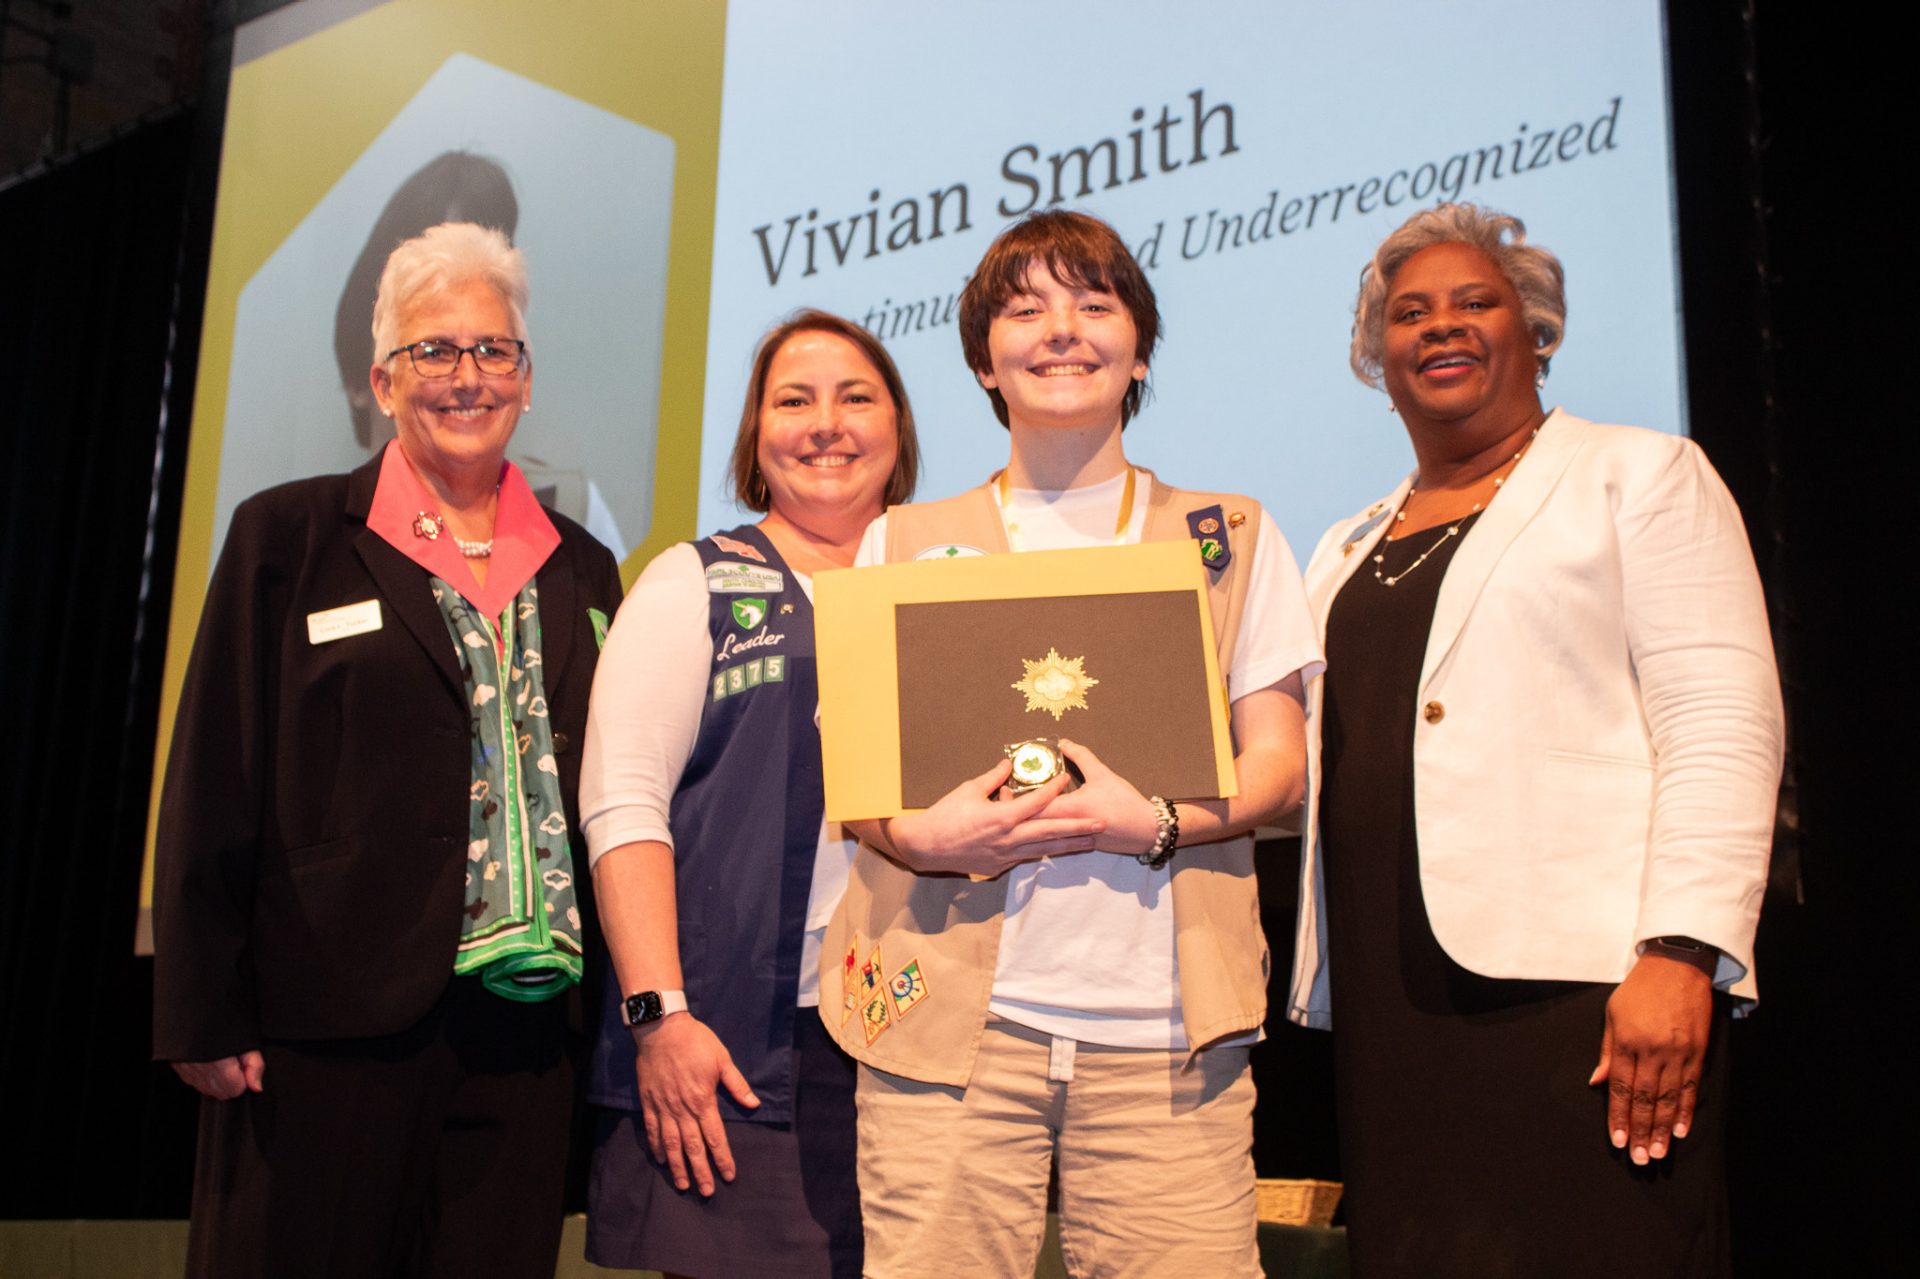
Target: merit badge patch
{"x":1205,"y":525}
{"x":908,"y":987}
{"x":849,"y":963}
{"x":948,"y":551}
{"x":874,"y":1013}
{"x":728,"y":578}
{"x":749,"y":612}
{"x":734,"y":546}
{"x":876,"y":1016}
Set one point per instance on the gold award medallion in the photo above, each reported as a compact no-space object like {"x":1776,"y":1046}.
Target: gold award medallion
{"x":1035,"y":763}
{"x":1055,"y":684}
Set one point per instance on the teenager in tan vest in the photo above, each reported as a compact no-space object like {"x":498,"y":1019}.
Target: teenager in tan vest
{"x":1084,"y":1007}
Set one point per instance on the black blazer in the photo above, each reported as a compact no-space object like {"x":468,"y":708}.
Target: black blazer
{"x":309,"y":869}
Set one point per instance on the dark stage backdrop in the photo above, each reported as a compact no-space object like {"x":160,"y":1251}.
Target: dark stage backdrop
{"x":97,"y":253}
{"x":1784,"y":137}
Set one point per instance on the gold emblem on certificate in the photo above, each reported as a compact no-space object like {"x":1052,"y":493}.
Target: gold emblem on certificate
{"x":1055,"y":684}
{"x":1035,"y":763}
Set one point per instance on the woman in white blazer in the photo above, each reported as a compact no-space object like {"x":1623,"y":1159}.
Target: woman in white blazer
{"x":1545,"y":756}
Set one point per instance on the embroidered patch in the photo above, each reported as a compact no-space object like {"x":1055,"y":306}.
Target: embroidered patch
{"x":734,"y":546}
{"x":948,"y":551}
{"x":749,"y":612}
{"x":1205,"y":525}
{"x":876,"y":1016}
{"x":908,"y":987}
{"x":738,"y":679}
{"x":599,"y":621}
{"x":848,"y":964}
{"x":727,"y":578}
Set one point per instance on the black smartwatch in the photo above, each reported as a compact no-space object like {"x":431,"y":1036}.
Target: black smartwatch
{"x":650,"y":1006}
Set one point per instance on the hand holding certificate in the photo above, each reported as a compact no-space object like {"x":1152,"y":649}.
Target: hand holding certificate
{"x":932,"y":671}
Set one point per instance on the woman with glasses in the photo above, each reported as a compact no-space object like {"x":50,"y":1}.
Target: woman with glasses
{"x":368,"y":930}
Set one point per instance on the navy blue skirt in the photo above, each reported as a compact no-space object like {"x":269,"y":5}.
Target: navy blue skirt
{"x":793,"y":1207}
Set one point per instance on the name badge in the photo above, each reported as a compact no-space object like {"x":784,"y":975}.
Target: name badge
{"x":332,"y":624}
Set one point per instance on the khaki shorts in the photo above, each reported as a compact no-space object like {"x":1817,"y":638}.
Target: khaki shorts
{"x":1155,"y":1162}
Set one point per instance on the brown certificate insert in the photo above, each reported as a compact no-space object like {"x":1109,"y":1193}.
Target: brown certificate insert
{"x":929,"y":670}
{"x":1128,"y":683}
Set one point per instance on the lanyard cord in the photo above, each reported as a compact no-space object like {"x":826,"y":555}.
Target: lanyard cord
{"x":1003,"y":493}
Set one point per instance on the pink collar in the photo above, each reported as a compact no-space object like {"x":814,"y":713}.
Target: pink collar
{"x":523,"y":536}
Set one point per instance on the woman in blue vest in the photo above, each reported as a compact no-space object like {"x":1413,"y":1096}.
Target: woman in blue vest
{"x":726,"y":1142}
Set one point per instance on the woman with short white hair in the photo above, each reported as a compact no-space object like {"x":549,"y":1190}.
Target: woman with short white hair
{"x":368,"y":930}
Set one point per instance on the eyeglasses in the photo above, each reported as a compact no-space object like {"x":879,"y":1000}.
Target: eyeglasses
{"x":432,"y":358}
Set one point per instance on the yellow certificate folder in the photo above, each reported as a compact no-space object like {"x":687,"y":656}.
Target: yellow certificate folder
{"x":930,"y":669}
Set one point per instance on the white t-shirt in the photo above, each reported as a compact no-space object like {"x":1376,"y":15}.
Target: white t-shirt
{"x":648,"y":693}
{"x":1086,"y":950}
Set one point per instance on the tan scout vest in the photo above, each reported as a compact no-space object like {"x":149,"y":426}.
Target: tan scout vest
{"x":939,"y":935}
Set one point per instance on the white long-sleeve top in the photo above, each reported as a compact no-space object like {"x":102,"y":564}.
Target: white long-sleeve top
{"x":648,"y":692}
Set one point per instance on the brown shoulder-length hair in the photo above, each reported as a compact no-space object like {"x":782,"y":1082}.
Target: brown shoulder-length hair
{"x":745,"y":484}
{"x":1081,"y":252}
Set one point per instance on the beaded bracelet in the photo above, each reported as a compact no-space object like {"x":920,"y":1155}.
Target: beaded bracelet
{"x":1169,"y":819}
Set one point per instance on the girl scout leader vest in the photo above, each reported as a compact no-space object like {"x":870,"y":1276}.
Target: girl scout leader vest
{"x":746,"y":830}
{"x":925,"y":946}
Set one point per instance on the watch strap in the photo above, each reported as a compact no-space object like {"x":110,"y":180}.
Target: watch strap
{"x":650,"y":1006}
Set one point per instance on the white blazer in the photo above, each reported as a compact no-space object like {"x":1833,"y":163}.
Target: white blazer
{"x":1597,"y":747}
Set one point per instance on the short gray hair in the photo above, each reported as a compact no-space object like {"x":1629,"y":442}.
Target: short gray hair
{"x":445,"y":257}
{"x":1534,"y":273}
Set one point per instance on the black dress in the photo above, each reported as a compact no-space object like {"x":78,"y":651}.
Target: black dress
{"x":1470,"y":1140}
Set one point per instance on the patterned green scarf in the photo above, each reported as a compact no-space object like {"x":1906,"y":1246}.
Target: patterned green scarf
{"x":521,"y":930}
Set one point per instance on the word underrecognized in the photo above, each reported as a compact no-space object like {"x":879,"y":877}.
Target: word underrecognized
{"x":1269,"y":218}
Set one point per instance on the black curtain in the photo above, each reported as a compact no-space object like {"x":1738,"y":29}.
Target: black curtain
{"x":94,"y":254}
{"x":1792,"y":237}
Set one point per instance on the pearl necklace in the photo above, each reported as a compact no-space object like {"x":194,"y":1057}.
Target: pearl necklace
{"x":474,"y":550}
{"x":1452,"y":530}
